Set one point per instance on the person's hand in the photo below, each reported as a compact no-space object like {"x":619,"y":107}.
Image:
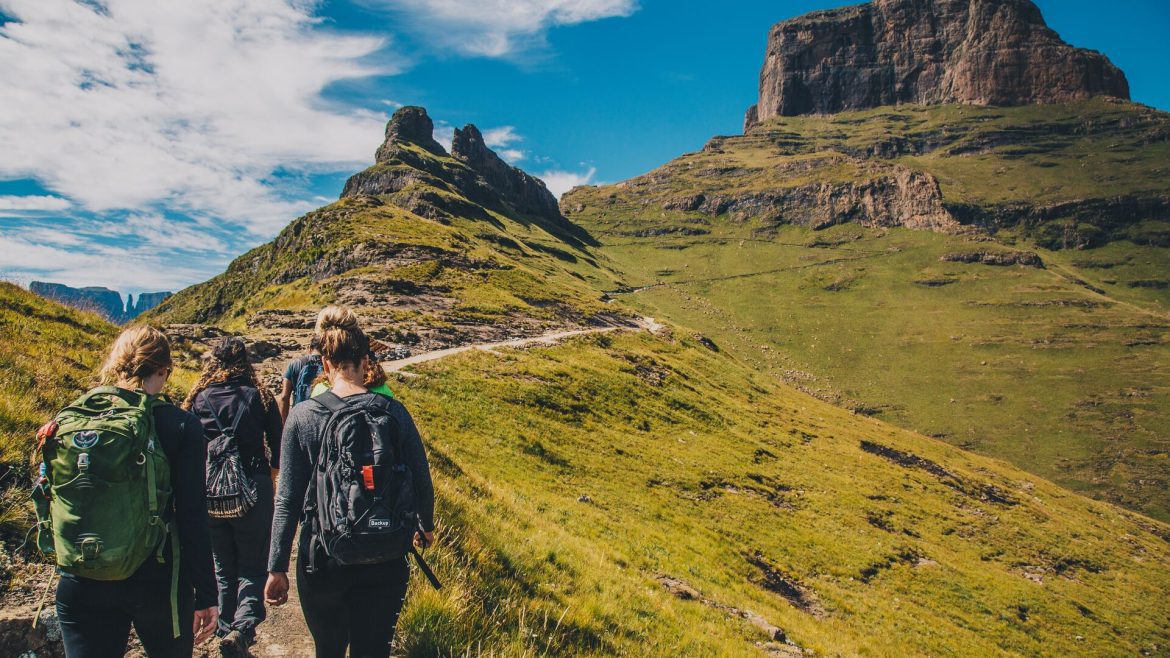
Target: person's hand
{"x":205,"y":622}
{"x":276,"y":589}
{"x":423,"y":539}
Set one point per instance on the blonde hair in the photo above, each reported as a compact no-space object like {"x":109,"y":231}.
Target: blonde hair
{"x":342,"y":339}
{"x":138,"y":353}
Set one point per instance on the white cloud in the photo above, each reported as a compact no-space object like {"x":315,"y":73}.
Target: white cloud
{"x":496,"y":28}
{"x":120,"y":268}
{"x":444,"y":134}
{"x":186,"y":104}
{"x":559,"y":182}
{"x":33,"y":203}
{"x":500,"y":139}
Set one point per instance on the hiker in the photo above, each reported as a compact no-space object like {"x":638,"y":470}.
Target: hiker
{"x":374,"y":381}
{"x":239,"y":416}
{"x":122,"y":481}
{"x":299,"y":377}
{"x":359,"y":453}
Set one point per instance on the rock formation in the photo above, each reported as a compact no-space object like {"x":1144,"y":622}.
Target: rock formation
{"x":410,"y":124}
{"x":985,"y":52}
{"x":525,"y":193}
{"x":103,"y":301}
{"x":473,"y":171}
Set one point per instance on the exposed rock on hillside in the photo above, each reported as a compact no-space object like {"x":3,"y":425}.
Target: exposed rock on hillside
{"x":523,"y":192}
{"x":985,"y":52}
{"x":899,"y":197}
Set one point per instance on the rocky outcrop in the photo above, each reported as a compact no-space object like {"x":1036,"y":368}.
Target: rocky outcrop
{"x":411,"y":125}
{"x":898,"y":197}
{"x":985,"y":52}
{"x":468,"y":184}
{"x":103,"y":301}
{"x":523,"y":192}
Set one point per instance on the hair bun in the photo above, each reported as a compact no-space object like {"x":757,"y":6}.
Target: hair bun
{"x":336,"y":317}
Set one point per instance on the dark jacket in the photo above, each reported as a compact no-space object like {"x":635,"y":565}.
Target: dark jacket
{"x":237,"y":399}
{"x":302,"y":444}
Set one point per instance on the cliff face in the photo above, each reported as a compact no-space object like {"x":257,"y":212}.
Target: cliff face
{"x":983,"y":52}
{"x":103,"y":301}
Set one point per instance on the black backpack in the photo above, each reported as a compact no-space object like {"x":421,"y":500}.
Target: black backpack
{"x":361,"y":496}
{"x":303,"y":386}
{"x":231,"y":494}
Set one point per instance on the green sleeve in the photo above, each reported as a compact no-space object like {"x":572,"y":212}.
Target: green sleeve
{"x":318,"y":389}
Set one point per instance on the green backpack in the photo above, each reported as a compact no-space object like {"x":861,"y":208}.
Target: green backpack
{"x":105,"y":487}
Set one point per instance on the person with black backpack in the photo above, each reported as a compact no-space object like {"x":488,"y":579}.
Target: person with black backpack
{"x":239,"y":416}
{"x":120,"y":505}
{"x":354,"y":472}
{"x":299,"y":377}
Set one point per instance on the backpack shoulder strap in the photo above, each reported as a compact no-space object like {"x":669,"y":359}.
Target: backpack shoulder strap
{"x":202,"y":397}
{"x":332,"y":401}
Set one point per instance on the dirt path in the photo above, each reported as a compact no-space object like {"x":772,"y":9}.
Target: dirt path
{"x":284,"y":632}
{"x":645,"y":323}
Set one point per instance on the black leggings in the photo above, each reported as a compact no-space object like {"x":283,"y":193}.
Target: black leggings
{"x":96,"y":615}
{"x":354,"y":606}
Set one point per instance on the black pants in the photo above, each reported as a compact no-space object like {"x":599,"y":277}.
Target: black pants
{"x":241,"y":561}
{"x":96,"y":615}
{"x":354,"y":606}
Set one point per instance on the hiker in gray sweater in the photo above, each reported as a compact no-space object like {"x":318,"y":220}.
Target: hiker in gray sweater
{"x":344,"y":605}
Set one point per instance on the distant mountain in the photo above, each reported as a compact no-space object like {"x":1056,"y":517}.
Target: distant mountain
{"x":925,"y":52}
{"x":103,"y":301}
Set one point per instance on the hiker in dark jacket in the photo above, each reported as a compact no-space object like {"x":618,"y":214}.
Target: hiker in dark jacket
{"x":228,"y":398}
{"x":299,"y":377}
{"x":96,"y":615}
{"x":344,"y":605}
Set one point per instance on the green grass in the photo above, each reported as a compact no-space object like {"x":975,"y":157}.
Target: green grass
{"x":695,"y":466}
{"x":1061,"y":370}
{"x":49,"y":354}
{"x":1019,"y":363}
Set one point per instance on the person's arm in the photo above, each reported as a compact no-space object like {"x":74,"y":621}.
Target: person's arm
{"x":420,"y":470}
{"x":285,"y":397}
{"x":295,"y":470}
{"x":190,"y":496}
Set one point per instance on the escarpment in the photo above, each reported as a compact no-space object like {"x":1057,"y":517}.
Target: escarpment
{"x":925,"y":52}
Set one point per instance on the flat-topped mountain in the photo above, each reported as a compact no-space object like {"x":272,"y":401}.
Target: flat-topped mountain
{"x":925,"y":52}
{"x":103,"y":301}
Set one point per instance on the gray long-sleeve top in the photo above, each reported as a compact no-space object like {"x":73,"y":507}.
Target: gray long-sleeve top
{"x":299,"y":448}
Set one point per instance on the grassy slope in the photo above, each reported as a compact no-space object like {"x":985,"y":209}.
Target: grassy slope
{"x":693,"y":464}
{"x":49,"y":353}
{"x":1019,"y":363}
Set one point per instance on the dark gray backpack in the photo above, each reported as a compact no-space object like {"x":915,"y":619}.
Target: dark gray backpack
{"x":361,"y":496}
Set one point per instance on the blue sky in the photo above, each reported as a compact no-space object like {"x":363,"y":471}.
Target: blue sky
{"x":147,"y":144}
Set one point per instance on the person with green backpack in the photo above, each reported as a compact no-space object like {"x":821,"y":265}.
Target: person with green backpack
{"x":120,"y":504}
